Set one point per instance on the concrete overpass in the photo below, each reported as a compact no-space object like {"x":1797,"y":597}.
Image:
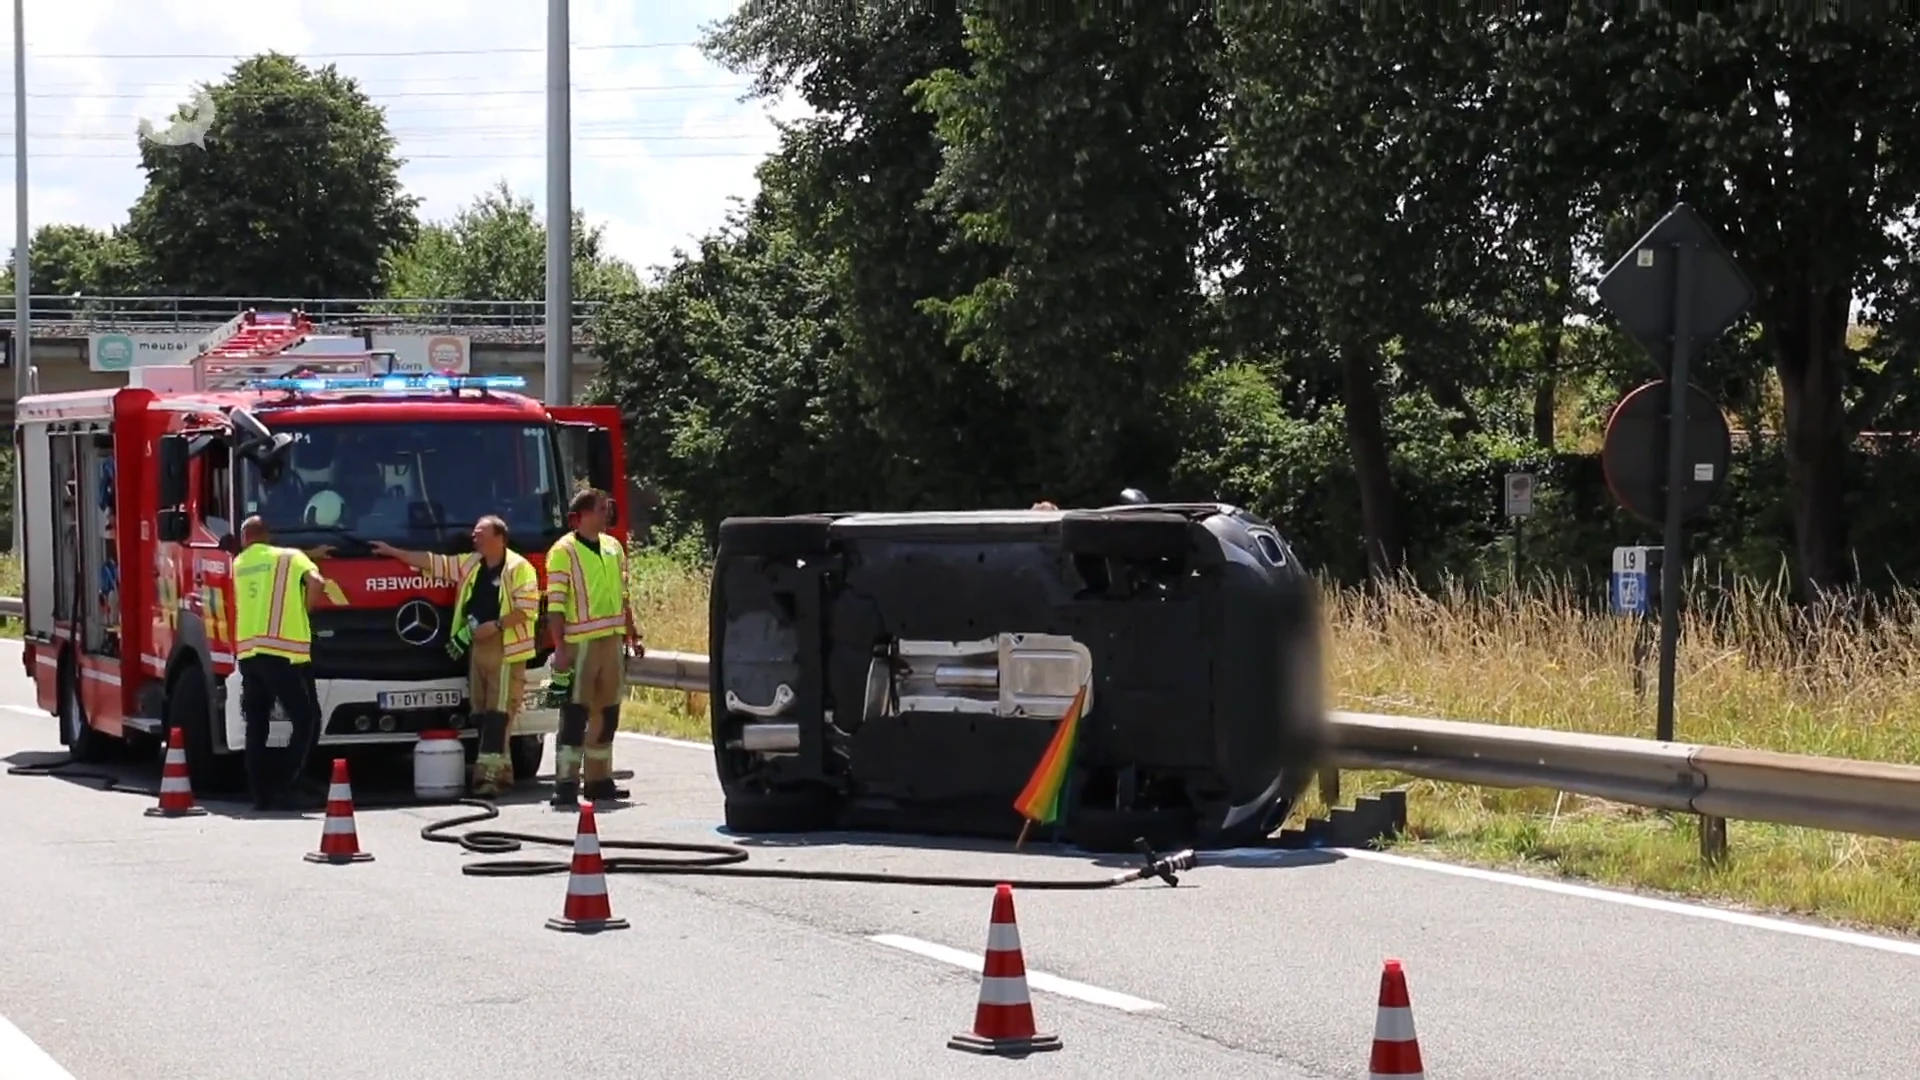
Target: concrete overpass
{"x":502,"y":337}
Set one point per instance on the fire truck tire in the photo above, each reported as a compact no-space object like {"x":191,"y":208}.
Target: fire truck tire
{"x":526,"y":752}
{"x":84,"y":744}
{"x":189,"y":709}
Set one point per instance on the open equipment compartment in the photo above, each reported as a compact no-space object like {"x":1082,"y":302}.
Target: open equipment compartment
{"x":905,"y":672}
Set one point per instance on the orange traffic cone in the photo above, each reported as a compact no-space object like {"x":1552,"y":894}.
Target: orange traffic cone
{"x":176,"y":792}
{"x":588,"y":911}
{"x":339,"y":840}
{"x":1396,"y":1050}
{"x":1003,"y":1021}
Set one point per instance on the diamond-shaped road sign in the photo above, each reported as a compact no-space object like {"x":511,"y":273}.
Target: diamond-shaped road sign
{"x":1639,"y":288}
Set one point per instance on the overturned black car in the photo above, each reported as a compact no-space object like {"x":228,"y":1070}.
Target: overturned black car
{"x":905,"y":672}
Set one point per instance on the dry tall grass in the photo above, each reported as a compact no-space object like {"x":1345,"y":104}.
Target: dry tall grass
{"x":1753,"y":671}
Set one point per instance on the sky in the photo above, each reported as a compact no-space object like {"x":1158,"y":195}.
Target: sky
{"x":662,"y":142}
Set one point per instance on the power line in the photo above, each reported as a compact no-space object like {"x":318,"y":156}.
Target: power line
{"x":490,"y":155}
{"x":425,"y":93}
{"x":403,"y":110}
{"x":522,"y":131}
{"x":389,"y":53}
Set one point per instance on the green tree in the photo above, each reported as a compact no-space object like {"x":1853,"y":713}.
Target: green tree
{"x":1075,"y":151}
{"x":496,"y":249}
{"x":69,"y":259}
{"x":1796,"y":137}
{"x":296,"y":193}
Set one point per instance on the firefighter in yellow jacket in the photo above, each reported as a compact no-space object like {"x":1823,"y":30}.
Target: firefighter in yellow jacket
{"x":588,"y":615}
{"x":493,"y":622}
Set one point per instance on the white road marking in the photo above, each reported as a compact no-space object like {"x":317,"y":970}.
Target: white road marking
{"x":1036,"y":980}
{"x":22,"y":1059}
{"x":1258,"y":856}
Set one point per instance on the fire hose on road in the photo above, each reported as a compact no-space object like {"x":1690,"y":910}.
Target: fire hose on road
{"x":670,"y":857}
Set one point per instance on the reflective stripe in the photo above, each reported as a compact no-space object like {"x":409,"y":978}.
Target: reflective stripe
{"x":277,"y":610}
{"x":1393,"y":1025}
{"x":999,"y":991}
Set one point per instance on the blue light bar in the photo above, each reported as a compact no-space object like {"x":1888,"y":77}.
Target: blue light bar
{"x":400,"y":384}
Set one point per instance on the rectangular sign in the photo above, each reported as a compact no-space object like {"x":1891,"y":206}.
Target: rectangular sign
{"x":1519,"y":495}
{"x":411,"y":352}
{"x":1628,"y":592}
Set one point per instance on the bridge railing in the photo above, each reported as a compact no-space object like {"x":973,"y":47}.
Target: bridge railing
{"x":78,"y":316}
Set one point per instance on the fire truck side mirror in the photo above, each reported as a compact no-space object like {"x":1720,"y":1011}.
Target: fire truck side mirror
{"x":170,"y":525}
{"x":173,"y":470}
{"x":600,"y":458}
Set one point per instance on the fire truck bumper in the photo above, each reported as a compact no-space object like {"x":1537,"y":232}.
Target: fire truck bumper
{"x":369,"y":712}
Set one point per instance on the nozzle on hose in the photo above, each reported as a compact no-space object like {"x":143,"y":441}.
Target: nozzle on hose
{"x":1161,"y":866}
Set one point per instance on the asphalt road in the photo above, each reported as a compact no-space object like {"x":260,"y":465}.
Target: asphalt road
{"x":137,"y":948}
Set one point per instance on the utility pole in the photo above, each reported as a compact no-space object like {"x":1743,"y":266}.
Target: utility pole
{"x":559,"y":374}
{"x":22,"y":241}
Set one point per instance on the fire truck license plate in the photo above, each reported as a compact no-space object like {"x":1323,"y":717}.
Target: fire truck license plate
{"x":420,"y":699}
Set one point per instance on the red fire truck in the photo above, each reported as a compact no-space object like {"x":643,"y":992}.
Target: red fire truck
{"x":131,"y":498}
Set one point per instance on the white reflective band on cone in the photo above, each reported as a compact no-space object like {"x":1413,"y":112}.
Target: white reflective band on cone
{"x":589,"y":885}
{"x":1394,"y":1025}
{"x":1396,"y":1076}
{"x":586,"y":844}
{"x":170,"y":784}
{"x":1003,"y":937}
{"x":337,"y":826}
{"x":1001,"y":990}
{"x":339,"y":793}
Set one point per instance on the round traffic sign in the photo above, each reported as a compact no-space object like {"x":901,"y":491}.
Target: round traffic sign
{"x":1634,"y":455}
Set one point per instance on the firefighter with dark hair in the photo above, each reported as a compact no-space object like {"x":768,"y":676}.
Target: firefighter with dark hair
{"x":588,"y":616}
{"x":493,"y":622}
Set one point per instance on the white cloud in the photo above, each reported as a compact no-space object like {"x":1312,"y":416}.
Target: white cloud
{"x":661,"y":141}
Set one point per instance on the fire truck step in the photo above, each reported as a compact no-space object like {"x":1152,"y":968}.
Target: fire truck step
{"x":146,"y":725}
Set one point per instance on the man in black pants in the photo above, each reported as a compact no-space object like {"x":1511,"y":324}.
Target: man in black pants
{"x":273,"y":589}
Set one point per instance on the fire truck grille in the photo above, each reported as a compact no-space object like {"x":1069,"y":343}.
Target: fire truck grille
{"x":368,"y":645}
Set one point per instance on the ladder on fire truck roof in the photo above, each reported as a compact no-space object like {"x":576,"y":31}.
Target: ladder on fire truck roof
{"x":255,"y":345}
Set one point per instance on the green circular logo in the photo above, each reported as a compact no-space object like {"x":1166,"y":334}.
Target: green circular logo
{"x":112,"y":352}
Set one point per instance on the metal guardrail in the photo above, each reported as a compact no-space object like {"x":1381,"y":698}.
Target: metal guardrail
{"x":1870,"y":798}
{"x":482,"y":320}
{"x":1717,"y":782}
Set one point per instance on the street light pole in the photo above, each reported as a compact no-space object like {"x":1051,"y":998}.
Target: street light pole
{"x":559,"y":366}
{"x":22,"y":241}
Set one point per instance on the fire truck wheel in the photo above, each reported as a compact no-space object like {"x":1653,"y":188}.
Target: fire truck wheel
{"x":83,"y":742}
{"x":526,"y":752}
{"x":188,"y":709}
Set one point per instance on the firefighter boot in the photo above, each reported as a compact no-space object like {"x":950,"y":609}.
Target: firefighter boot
{"x":492,"y":770}
{"x":567,"y":756}
{"x":599,"y":760}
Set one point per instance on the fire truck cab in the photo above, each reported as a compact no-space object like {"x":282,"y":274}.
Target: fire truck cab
{"x":131,"y":499}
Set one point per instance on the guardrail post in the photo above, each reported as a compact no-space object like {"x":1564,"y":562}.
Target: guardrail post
{"x":1713,"y":839}
{"x":1330,"y":787}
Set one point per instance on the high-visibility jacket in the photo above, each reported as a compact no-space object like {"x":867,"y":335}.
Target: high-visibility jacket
{"x":270,"y":603}
{"x":586,"y":589}
{"x":519,"y":591}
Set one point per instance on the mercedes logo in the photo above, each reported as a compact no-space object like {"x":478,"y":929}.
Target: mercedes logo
{"x":417,"y":623}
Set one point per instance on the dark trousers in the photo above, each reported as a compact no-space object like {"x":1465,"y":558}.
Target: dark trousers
{"x":264,"y":681}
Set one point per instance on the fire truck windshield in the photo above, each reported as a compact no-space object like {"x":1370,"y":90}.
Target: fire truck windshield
{"x":414,"y":484}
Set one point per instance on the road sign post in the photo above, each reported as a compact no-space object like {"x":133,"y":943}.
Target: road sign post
{"x":1519,"y":490}
{"x":1675,"y":287}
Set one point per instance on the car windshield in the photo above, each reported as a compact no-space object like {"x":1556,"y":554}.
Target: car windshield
{"x":416,"y":484}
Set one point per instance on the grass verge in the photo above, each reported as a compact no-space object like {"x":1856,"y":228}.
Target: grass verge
{"x":1752,"y":673}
